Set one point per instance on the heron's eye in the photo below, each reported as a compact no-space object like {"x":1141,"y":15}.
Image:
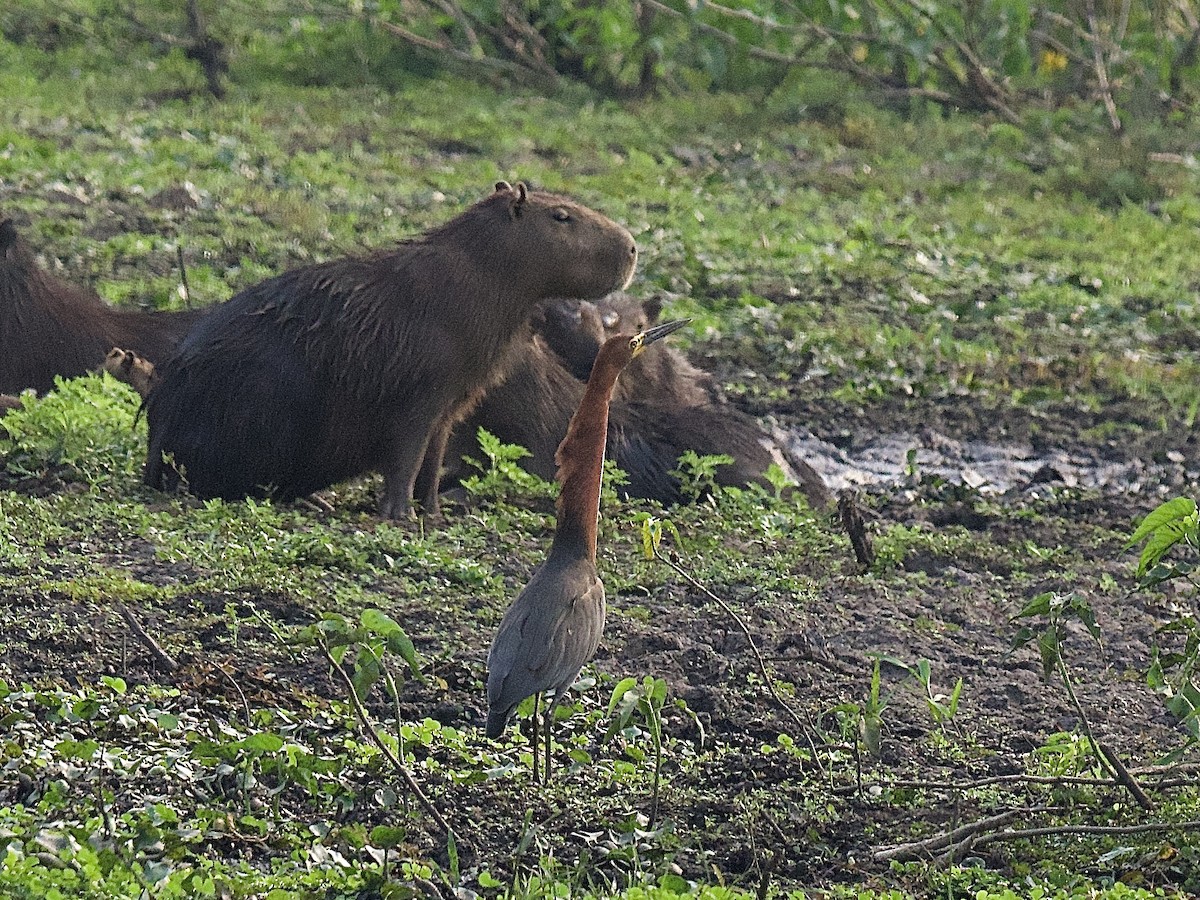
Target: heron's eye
{"x":561,"y":215}
{"x":635,"y":342}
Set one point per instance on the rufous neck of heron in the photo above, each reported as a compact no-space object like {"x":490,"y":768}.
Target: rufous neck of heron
{"x":580,"y":459}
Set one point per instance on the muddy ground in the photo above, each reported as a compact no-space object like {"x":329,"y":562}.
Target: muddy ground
{"x":1028,"y":502}
{"x":1029,"y":517}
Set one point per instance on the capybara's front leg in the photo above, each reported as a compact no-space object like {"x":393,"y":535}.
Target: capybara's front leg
{"x":400,"y":473}
{"x":430,"y":477}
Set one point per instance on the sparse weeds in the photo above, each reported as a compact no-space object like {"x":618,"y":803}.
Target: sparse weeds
{"x":831,"y":272}
{"x":646,"y":700}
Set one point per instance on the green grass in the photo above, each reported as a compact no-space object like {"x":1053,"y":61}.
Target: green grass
{"x":895,"y":261}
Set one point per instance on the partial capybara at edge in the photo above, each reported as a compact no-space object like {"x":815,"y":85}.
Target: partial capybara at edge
{"x":49,"y":327}
{"x":365,"y":363}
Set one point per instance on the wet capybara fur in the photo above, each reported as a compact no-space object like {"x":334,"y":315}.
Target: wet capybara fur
{"x":662,"y":406}
{"x":49,"y":327}
{"x":365,"y":363}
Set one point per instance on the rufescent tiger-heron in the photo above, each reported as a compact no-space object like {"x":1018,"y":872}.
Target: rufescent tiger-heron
{"x":554,"y":625}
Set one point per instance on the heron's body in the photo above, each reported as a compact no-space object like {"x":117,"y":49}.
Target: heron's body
{"x":554,"y":625}
{"x":558,"y":618}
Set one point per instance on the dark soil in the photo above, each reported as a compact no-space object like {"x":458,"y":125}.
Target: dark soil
{"x":745,"y":807}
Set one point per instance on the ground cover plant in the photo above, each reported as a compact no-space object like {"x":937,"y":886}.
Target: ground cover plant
{"x":262,"y":700}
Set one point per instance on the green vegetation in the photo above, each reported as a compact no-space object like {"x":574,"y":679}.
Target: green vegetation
{"x":859,"y":256}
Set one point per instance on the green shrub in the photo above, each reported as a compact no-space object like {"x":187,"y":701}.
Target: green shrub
{"x":87,"y":428}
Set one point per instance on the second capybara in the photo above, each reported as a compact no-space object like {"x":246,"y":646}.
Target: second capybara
{"x":662,"y":406}
{"x":364,"y":363}
{"x":49,"y":327}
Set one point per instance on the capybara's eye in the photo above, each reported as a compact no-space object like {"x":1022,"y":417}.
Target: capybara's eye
{"x":561,"y":215}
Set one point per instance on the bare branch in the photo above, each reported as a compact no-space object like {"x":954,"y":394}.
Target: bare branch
{"x":1101,"y":68}
{"x":368,"y":729}
{"x":164,"y":659}
{"x":444,"y":47}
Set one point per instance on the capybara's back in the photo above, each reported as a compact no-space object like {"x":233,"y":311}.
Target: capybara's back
{"x":49,"y":327}
{"x":363,"y":363}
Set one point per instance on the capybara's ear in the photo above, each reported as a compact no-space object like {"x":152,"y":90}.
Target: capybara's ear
{"x":516,"y":206}
{"x":653,"y":308}
{"x":503,"y":187}
{"x":8,"y":234}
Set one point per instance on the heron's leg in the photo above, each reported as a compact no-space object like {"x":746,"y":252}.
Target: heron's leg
{"x":537,"y":702}
{"x":549,"y":725}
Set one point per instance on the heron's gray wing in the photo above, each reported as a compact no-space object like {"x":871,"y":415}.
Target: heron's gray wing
{"x":554,"y":624}
{"x":572,"y":640}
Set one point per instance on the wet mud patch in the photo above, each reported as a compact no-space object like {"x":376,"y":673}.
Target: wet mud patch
{"x":894,"y":458}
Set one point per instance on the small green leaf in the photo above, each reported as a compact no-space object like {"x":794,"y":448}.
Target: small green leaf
{"x":117,"y":685}
{"x":658,"y":693}
{"x":167,"y":721}
{"x":263,"y":742}
{"x":1163,"y":539}
{"x":923,"y":671}
{"x":624,"y":686}
{"x":398,"y":642}
{"x":1172,"y":511}
{"x":488,"y":881}
{"x":367,"y":671}
{"x":954,"y":695}
{"x":388,"y":836}
{"x":378,"y":622}
{"x":1038,"y":606}
{"x":81,"y":750}
{"x":1048,"y":647}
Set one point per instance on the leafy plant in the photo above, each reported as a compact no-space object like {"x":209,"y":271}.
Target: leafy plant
{"x":367,"y":646}
{"x":645,"y":700}
{"x":1058,"y":610}
{"x":697,"y":474}
{"x":87,"y":427}
{"x":500,"y":474}
{"x":1173,"y":528}
{"x":943,"y":708}
{"x":1170,"y":524}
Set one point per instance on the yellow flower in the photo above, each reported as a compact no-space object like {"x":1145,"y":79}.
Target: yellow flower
{"x":1051,"y":62}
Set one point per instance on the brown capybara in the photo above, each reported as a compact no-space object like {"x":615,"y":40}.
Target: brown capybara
{"x":49,"y":327}
{"x":136,"y":371}
{"x":365,"y":363}
{"x":662,"y":406}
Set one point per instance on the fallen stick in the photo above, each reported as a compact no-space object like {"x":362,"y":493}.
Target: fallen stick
{"x":164,"y":659}
{"x":928,"y":848}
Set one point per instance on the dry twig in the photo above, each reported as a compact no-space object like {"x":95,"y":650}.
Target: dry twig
{"x":164,"y":659}
{"x":368,"y":729}
{"x":238,"y":688}
{"x":1101,"y":68}
{"x":950,"y":843}
{"x":762,"y":664}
